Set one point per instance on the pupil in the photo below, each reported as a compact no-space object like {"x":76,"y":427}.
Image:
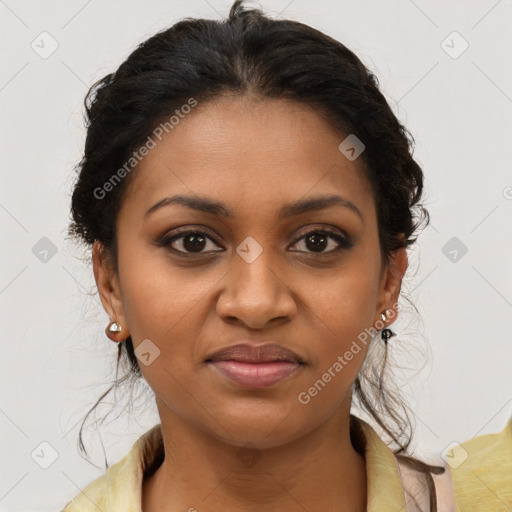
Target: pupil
{"x":194,"y":241}
{"x":317,"y":241}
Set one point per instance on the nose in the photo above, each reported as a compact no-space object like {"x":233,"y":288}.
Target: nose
{"x":256,"y":294}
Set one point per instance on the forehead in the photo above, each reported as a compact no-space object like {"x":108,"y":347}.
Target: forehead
{"x":248,"y":150}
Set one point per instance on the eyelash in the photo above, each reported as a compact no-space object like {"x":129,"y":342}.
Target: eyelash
{"x":168,"y":239}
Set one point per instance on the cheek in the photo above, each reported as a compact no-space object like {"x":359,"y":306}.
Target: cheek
{"x":344,"y":302}
{"x":159,"y":298}
{"x":161,"y":305}
{"x":342,"y":312}
{"x":338,"y":354}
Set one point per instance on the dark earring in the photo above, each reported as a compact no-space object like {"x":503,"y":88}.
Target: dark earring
{"x":386,"y":333}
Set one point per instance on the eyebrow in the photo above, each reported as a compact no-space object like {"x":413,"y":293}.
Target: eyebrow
{"x":212,"y":207}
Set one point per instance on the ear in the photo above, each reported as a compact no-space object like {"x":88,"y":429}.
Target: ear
{"x":107,"y":283}
{"x":391,"y":284}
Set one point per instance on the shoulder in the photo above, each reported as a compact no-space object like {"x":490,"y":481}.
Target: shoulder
{"x":482,"y":472}
{"x":400,"y":483}
{"x":119,"y":489}
{"x":90,"y":498}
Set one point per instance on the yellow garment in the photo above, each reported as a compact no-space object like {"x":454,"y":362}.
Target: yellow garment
{"x":483,"y":480}
{"x":120,"y":489}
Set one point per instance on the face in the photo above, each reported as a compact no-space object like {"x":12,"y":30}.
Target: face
{"x":253,"y":267}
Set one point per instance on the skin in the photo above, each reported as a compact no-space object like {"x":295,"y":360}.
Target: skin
{"x":254,"y":156}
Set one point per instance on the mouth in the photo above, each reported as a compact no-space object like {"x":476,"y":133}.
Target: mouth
{"x":256,"y":366}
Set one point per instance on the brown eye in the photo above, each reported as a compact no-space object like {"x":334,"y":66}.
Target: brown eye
{"x":318,"y":240}
{"x":189,"y":242}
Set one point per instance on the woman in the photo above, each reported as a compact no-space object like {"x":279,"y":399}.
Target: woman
{"x":249,"y":198}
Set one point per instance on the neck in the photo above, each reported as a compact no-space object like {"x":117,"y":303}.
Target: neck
{"x":318,"y":471}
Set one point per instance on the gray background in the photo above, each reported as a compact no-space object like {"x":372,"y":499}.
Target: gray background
{"x":56,"y":360}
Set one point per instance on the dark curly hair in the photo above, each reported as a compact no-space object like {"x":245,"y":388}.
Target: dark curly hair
{"x":251,"y":54}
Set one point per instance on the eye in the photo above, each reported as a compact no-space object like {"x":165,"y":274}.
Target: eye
{"x":188,"y":241}
{"x":317,"y":240}
{"x":192,"y":241}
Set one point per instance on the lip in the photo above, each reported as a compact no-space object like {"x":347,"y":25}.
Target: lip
{"x":256,"y":366}
{"x":256,"y":375}
{"x":246,"y":352}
